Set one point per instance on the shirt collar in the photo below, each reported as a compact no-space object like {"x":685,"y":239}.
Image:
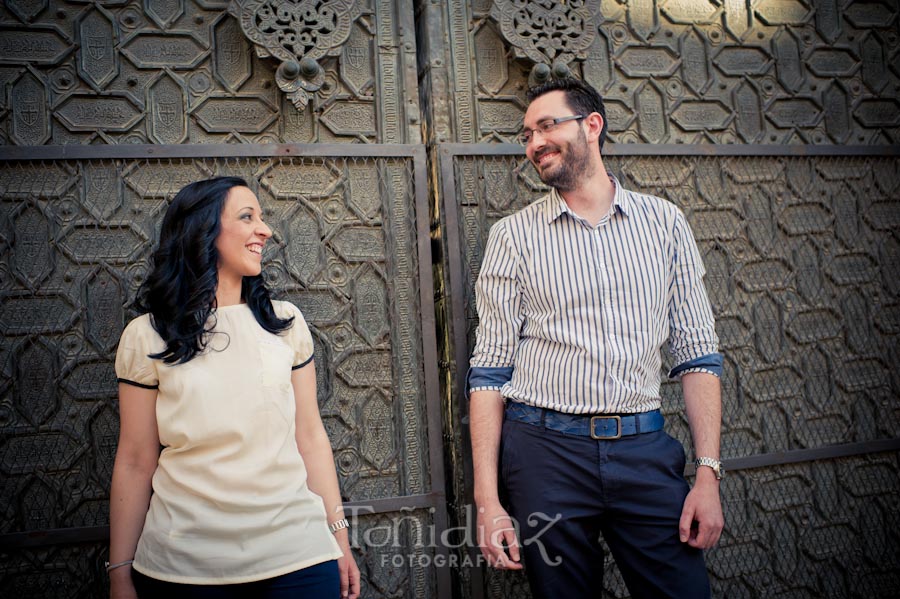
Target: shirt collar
{"x":622,"y":198}
{"x":556,"y":206}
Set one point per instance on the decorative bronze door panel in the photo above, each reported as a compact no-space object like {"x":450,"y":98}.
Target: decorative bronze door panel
{"x":800,"y":251}
{"x":671,"y":71}
{"x":200,"y":72}
{"x":728,"y":108}
{"x":714,"y":98}
{"x":350,"y":249}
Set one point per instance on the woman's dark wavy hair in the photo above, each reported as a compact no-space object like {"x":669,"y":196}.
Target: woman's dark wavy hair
{"x":180,"y":292}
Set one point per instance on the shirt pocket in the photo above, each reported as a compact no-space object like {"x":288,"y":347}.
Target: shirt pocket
{"x":276,"y":358}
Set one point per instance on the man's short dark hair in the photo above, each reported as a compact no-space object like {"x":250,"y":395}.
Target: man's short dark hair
{"x":580,"y":96}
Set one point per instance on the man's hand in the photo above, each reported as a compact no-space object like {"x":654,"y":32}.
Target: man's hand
{"x":495,"y":529}
{"x":704,"y":507}
{"x":703,"y":403}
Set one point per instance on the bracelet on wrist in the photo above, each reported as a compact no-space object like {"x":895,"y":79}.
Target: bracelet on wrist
{"x":111,"y":567}
{"x":338,"y":525}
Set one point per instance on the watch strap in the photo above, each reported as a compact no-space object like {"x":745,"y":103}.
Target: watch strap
{"x":713,"y":463}
{"x":338,"y":525}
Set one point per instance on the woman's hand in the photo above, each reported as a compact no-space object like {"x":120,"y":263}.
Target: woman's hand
{"x":347,"y":567}
{"x":120,"y":585}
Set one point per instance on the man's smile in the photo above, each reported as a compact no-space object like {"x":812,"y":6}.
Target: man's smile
{"x":543,"y":156}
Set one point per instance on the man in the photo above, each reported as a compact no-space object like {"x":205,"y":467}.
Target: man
{"x":576,"y":295}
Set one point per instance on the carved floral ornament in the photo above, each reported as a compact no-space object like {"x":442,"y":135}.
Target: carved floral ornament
{"x":298,"y":33}
{"x":552,"y":33}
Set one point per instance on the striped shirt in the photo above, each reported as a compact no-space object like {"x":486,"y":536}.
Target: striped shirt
{"x":572,"y":317}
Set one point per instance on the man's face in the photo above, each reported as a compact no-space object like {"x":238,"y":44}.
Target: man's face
{"x":560,"y":156}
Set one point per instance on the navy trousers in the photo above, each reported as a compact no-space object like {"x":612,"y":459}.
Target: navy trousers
{"x":321,"y":581}
{"x":564,"y":491}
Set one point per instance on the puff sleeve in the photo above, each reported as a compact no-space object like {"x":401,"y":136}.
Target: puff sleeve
{"x":298,"y":337}
{"x":133,"y":364}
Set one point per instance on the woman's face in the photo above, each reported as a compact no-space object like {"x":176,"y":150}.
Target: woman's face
{"x":242,"y":235}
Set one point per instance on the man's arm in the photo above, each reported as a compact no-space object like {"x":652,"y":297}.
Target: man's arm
{"x":694,"y":346}
{"x":494,"y":524}
{"x":500,"y":318}
{"x":703,"y":404}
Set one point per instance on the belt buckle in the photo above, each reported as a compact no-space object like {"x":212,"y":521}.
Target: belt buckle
{"x":618,"y":434}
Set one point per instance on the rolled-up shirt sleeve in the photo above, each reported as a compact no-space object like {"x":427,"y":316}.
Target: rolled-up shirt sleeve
{"x":499,"y":304}
{"x":710,"y":364}
{"x":487,"y":379}
{"x":693,"y":342}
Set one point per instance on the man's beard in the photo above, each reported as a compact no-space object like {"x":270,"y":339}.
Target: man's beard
{"x":574,"y":164}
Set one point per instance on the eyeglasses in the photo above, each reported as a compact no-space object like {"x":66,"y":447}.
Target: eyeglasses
{"x":546,"y":126}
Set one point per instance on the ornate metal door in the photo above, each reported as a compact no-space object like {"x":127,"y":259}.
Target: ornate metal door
{"x":205,"y":88}
{"x":731,"y":109}
{"x":741,"y":114}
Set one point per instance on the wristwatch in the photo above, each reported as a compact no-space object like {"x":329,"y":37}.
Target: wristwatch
{"x":713,"y":463}
{"x":338,"y":525}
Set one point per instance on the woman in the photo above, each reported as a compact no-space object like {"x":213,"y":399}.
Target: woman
{"x":245,"y":499}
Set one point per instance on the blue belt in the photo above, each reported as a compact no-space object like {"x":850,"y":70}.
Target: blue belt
{"x":600,"y":426}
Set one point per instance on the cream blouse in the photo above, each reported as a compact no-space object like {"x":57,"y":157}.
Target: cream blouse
{"x":230,"y":502}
